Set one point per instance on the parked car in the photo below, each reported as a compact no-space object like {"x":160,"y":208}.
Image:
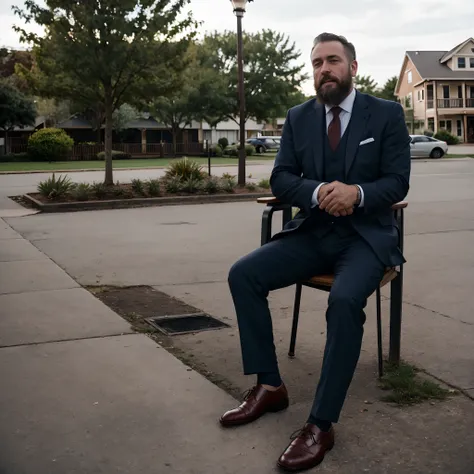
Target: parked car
{"x":263,"y":144}
{"x":427,"y":147}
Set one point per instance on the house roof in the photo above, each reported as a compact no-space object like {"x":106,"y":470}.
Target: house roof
{"x":74,"y":122}
{"x":451,"y":53}
{"x":428,"y":64}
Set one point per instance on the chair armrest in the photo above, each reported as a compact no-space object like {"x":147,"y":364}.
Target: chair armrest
{"x":400,"y":205}
{"x":268,"y":200}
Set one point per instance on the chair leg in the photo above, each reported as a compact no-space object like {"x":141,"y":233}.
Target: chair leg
{"x":296,"y":314}
{"x":379,"y":332}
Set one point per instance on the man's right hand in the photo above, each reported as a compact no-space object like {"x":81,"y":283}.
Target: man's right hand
{"x":324,"y":191}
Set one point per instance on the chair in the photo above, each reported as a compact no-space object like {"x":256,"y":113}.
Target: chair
{"x":394,"y":276}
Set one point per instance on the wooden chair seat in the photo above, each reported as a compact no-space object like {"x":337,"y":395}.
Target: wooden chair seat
{"x":328,"y":280}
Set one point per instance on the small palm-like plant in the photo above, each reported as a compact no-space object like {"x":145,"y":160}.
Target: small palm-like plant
{"x":82,"y":192}
{"x":55,"y":188}
{"x":185,"y":169}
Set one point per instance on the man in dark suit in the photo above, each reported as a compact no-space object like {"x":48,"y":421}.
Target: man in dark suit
{"x":344,"y":161}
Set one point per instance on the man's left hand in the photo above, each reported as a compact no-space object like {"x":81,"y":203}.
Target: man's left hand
{"x":340,"y":199}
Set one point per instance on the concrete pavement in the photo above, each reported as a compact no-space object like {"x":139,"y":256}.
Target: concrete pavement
{"x":83,"y":394}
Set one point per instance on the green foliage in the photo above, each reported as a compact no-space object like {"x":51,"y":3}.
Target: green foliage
{"x":99,"y":190}
{"x":251,"y":186}
{"x":116,"y":155}
{"x":16,"y":110}
{"x":264,"y":183}
{"x":173,"y":185}
{"x":122,"y":116}
{"x":15,"y":158}
{"x":387,"y":92}
{"x":106,"y":53}
{"x":49,"y":144}
{"x":153,"y":187}
{"x":223,"y":142}
{"x":428,"y":133}
{"x":81,"y":192}
{"x":191,"y":185}
{"x":211,"y":185}
{"x":55,"y":188}
{"x":229,"y":184}
{"x":272,"y":78}
{"x":228,"y":176}
{"x":365,"y":84}
{"x":406,"y":386}
{"x":249,"y":150}
{"x":447,"y":137}
{"x":138,"y":187}
{"x":217,"y":150}
{"x":185,"y":169}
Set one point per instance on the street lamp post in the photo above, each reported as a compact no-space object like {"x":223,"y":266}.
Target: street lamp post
{"x":239,"y":10}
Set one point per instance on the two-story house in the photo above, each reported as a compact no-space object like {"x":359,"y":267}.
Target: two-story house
{"x":436,"y":88}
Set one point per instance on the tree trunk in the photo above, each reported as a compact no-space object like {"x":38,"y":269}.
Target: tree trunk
{"x":6,"y":142}
{"x":109,"y":179}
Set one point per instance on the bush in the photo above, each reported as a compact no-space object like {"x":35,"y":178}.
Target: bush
{"x":138,"y":187}
{"x":249,"y":150}
{"x":53,"y":188}
{"x":251,"y":186}
{"x":211,"y":185}
{"x":445,"y":136}
{"x":173,"y":185}
{"x":229,"y":185}
{"x":49,"y":144}
{"x":99,"y":189}
{"x":191,"y":185}
{"x":223,"y":142}
{"x":15,"y":158}
{"x":428,"y":133}
{"x":153,"y":187}
{"x":217,"y":150}
{"x":81,"y":192}
{"x":264,"y":183}
{"x":185,"y":169}
{"x":233,"y":150}
{"x":116,"y":155}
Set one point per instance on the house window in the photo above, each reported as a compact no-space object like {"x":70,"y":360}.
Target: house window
{"x":459,"y":92}
{"x":410,"y":77}
{"x":445,"y":125}
{"x":445,"y":92}
{"x":459,"y":128}
{"x":461,"y":63}
{"x":431,"y":124}
{"x":471,"y":63}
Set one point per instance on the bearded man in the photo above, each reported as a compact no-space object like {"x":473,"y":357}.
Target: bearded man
{"x":344,"y":161}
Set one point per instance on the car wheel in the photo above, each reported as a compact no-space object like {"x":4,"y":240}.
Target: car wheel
{"x":437,"y":153}
{"x":259,"y":149}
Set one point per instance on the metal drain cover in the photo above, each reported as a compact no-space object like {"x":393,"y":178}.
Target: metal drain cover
{"x":186,"y":323}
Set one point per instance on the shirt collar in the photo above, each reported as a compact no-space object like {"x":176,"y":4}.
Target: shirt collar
{"x":347,"y":104}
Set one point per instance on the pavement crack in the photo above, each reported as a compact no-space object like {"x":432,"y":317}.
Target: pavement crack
{"x":439,"y":232}
{"x":54,"y":341}
{"x":416,"y":305}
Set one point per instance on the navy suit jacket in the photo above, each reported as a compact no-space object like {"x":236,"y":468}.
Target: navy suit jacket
{"x":381,"y":168}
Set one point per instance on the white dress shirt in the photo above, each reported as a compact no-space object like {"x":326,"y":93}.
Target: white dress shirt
{"x":345,"y":115}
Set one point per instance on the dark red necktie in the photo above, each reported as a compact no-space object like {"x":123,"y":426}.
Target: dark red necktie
{"x":334,"y":129}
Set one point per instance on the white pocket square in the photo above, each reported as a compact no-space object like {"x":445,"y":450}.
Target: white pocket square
{"x":364,"y":142}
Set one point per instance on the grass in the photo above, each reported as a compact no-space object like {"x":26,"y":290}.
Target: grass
{"x":134,"y":163}
{"x":408,"y":388}
{"x":459,"y":155}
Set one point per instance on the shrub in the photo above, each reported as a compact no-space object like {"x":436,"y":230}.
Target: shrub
{"x":153,"y":187}
{"x":81,"y":192}
{"x":211,"y":185}
{"x":229,"y":185}
{"x":53,"y":188}
{"x":445,"y":136}
{"x":264,"y":183}
{"x":116,"y":155}
{"x":119,"y":191}
{"x":138,"y":187}
{"x":428,"y":133}
{"x":173,"y":185}
{"x":99,"y":189}
{"x":185,"y":169}
{"x":223,"y":142}
{"x":15,"y":158}
{"x":49,"y":144}
{"x":191,"y":185}
{"x":231,"y":150}
{"x":228,"y":176}
{"x":249,"y":150}
{"x":251,"y":186}
{"x":217,"y":150}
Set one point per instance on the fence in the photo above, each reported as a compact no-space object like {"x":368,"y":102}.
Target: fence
{"x":82,"y":152}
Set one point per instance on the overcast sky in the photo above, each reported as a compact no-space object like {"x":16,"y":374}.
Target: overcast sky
{"x":381,"y":30}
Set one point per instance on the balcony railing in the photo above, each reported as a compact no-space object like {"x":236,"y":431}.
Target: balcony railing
{"x":469,"y":102}
{"x":450,"y":103}
{"x":429,"y":103}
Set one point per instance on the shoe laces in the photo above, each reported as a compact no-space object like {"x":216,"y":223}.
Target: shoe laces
{"x":305,"y":431}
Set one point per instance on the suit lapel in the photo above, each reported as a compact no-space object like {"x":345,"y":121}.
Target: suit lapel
{"x":317,"y":137}
{"x":358,"y":124}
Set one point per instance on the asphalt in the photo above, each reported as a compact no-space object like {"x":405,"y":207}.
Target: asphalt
{"x":82,"y":393}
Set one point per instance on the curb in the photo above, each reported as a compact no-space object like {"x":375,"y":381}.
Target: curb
{"x":251,"y":163}
{"x":142,"y":202}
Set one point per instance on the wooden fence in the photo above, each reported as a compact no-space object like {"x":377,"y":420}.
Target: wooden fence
{"x":136,"y":150}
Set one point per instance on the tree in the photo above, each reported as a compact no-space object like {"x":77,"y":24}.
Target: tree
{"x":272,"y":74}
{"x":365,"y":84}
{"x":16,"y":110}
{"x":9,"y":61}
{"x":122,"y":116}
{"x":388,"y":90}
{"x":105,"y":52}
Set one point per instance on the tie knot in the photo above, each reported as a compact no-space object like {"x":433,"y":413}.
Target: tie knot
{"x":336,"y":111}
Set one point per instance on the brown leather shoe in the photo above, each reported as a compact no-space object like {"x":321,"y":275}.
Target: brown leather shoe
{"x":257,"y":402}
{"x":307,"y":449}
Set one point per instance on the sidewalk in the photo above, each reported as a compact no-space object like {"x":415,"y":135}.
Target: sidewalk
{"x":81,"y":393}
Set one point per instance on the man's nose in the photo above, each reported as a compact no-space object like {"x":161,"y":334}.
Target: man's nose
{"x":325,"y":68}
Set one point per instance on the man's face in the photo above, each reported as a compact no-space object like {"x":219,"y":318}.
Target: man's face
{"x":332,"y":72}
